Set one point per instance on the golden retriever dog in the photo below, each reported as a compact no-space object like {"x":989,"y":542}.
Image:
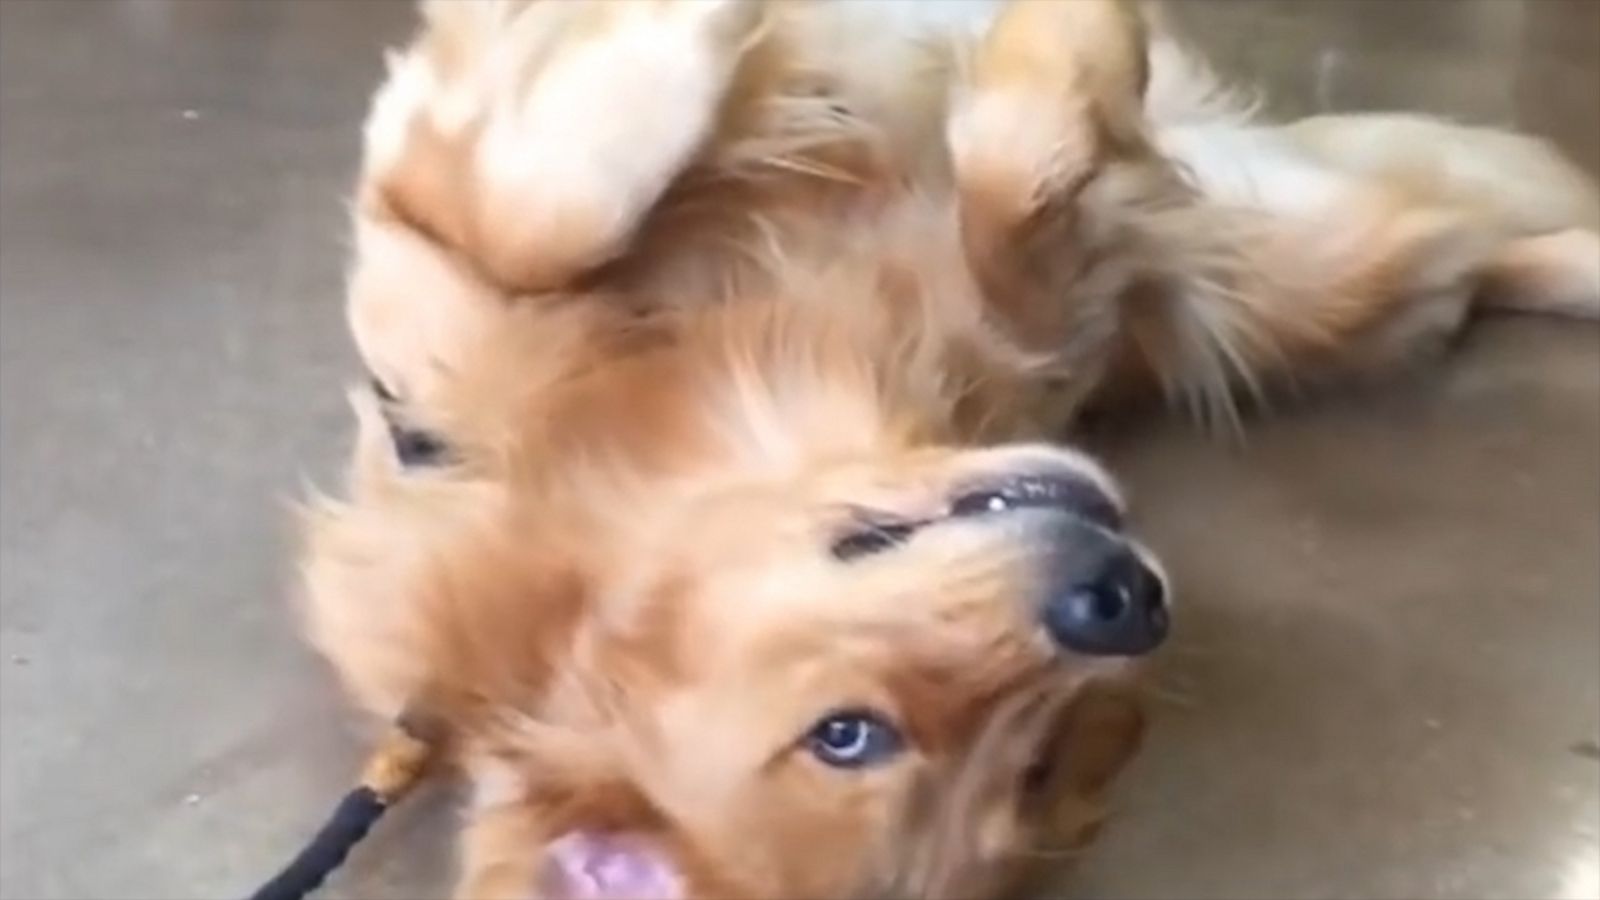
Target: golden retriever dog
{"x":709,"y":492}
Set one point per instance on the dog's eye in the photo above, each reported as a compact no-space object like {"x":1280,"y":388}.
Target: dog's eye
{"x":1036,"y":777}
{"x":853,"y":740}
{"x":871,"y":539}
{"x":414,"y":447}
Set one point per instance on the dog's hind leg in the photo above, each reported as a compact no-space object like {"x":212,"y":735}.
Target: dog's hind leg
{"x":1546,"y":208}
{"x":1302,"y":273}
{"x":1231,"y":257}
{"x":1556,"y":274}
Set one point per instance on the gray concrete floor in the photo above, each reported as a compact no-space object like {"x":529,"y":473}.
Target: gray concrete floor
{"x":1387,"y":675}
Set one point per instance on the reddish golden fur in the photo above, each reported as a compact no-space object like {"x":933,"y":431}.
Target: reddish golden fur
{"x":775,"y":290}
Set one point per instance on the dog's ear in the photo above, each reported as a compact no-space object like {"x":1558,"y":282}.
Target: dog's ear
{"x":597,"y":865}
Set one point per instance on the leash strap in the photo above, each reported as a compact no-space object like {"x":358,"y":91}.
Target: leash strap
{"x":351,"y":820}
{"x":397,"y":764}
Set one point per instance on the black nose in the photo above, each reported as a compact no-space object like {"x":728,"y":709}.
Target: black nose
{"x":1104,"y":600}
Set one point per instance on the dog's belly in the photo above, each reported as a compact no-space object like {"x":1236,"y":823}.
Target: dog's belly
{"x":1253,"y":166}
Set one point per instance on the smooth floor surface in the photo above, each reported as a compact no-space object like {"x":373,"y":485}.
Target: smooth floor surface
{"x":1386,"y":679}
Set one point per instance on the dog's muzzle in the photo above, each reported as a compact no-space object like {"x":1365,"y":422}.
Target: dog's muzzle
{"x":1102,"y":596}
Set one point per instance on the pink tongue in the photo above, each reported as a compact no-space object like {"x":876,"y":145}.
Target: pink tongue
{"x":585,"y":865}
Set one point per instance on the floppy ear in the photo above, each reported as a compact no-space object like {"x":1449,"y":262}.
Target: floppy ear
{"x":599,"y":865}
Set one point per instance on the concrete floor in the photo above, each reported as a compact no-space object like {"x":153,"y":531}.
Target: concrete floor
{"x":1386,"y":681}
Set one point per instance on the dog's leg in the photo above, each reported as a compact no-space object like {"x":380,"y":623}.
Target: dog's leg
{"x":1046,"y":93}
{"x":1546,"y":207}
{"x":1367,"y":280}
{"x":1051,"y":159}
{"x":1557,"y":273}
{"x":1048,"y":97}
{"x":1089,"y":243}
{"x":1342,"y":245}
{"x":514,"y":147}
{"x":532,"y":138}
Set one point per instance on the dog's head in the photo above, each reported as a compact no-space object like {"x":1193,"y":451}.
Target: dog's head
{"x":850,"y":681}
{"x":844,"y":684}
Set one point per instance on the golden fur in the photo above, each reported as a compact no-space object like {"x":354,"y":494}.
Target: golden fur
{"x":688,"y":285}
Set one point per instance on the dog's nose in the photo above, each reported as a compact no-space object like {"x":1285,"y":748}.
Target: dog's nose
{"x":1103,"y":599}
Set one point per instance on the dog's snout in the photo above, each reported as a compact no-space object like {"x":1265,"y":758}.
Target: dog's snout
{"x":1102,"y":598}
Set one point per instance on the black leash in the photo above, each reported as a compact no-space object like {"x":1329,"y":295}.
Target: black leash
{"x":394,"y":768}
{"x":399,"y":761}
{"x":352,"y":819}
